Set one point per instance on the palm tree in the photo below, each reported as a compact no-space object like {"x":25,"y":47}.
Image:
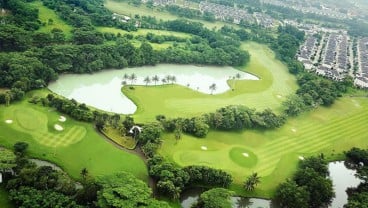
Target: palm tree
{"x":132,"y":78}
{"x":251,"y":182}
{"x":84,"y":173}
{"x":155,"y":79}
{"x":163,"y":80}
{"x":168,"y":78}
{"x":237,"y":76}
{"x":126,"y":76}
{"x":173,"y":79}
{"x":147,"y":80}
{"x":213,"y":88}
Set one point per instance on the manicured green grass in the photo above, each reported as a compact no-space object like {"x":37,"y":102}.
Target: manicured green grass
{"x":143,"y":32}
{"x":45,"y":14}
{"x":4,"y":200}
{"x":116,"y":136}
{"x":131,"y":10}
{"x":78,"y":146}
{"x":324,"y":130}
{"x":173,"y":100}
{"x":243,"y":157}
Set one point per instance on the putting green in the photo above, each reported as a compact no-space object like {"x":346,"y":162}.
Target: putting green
{"x":243,"y":157}
{"x":325,"y":130}
{"x":28,"y":119}
{"x":176,"y":101}
{"x":78,"y":146}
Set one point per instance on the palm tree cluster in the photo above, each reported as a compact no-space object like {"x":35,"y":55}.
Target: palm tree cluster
{"x":251,"y":182}
{"x":132,"y":78}
{"x":147,"y":79}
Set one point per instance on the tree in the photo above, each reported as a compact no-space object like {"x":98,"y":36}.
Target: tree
{"x":7,"y":159}
{"x":237,"y":76}
{"x":132,"y":78}
{"x":84,"y":173}
{"x":173,"y":79}
{"x":28,"y":197}
{"x":290,"y":195}
{"x":20,"y":148}
{"x":251,"y":182}
{"x":293,"y":105}
{"x":123,"y":190}
{"x":126,"y":76}
{"x":155,"y":79}
{"x":213,"y":87}
{"x":215,"y":198}
{"x":147,"y":80}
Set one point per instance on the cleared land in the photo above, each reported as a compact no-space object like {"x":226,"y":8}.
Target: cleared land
{"x":172,"y":100}
{"x":77,"y":146}
{"x":45,"y":14}
{"x":324,"y":130}
{"x":131,"y":10}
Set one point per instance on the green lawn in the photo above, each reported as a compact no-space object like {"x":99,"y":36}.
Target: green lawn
{"x":143,"y":32}
{"x":45,"y":14}
{"x":4,"y":200}
{"x":173,"y":100}
{"x":274,"y":154}
{"x":131,"y":10}
{"x":77,"y":146}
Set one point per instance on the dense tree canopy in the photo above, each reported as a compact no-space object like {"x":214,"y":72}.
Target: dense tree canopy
{"x":215,"y":198}
{"x":123,"y":190}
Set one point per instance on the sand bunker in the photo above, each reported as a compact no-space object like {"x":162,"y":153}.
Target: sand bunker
{"x":8,"y":121}
{"x":203,"y":147}
{"x":62,"y":119}
{"x":293,"y":130}
{"x":279,"y":96}
{"x":245,"y":154}
{"x":301,"y":158}
{"x":58,"y":127}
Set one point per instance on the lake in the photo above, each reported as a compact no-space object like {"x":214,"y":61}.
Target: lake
{"x":341,"y":176}
{"x":103,"y":89}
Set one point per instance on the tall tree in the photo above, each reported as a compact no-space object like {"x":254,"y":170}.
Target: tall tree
{"x":147,"y":80}
{"x":132,"y":78}
{"x":155,"y":79}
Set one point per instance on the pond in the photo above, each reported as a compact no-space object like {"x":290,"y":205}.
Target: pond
{"x":103,"y":89}
{"x":191,"y":196}
{"x":341,"y":176}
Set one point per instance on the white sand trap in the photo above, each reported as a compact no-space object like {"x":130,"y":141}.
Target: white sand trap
{"x":62,"y":119}
{"x":58,"y":127}
{"x":8,"y":121}
{"x":203,"y":147}
{"x":293,"y":130}
{"x":301,"y":158}
{"x":279,"y":96}
{"x":245,"y":154}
